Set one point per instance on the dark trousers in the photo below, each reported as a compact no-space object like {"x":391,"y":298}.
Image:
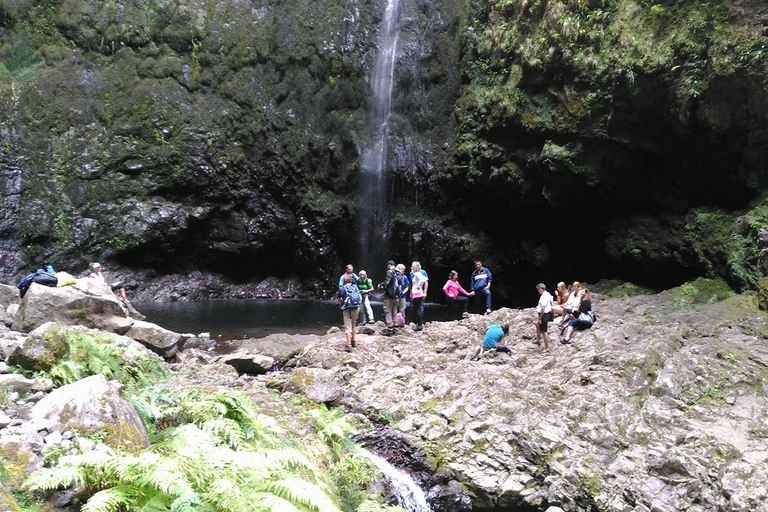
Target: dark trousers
{"x":461,"y":300}
{"x":483,"y":300}
{"x":418,"y":308}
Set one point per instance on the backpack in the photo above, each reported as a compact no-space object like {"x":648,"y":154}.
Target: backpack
{"x":395,"y":287}
{"x":352,"y":299}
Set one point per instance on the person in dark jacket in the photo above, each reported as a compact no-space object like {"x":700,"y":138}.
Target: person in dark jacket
{"x":390,"y":302}
{"x":585,"y":306}
{"x":481,"y":284}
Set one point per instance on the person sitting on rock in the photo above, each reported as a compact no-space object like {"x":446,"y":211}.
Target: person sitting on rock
{"x":569,"y":306}
{"x":452,"y":290}
{"x":492,"y":340}
{"x":585,"y":306}
{"x":94,"y":270}
{"x":561,"y":297}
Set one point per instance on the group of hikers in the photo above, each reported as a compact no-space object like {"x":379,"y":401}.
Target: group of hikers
{"x":355,"y":289}
{"x":574,"y":307}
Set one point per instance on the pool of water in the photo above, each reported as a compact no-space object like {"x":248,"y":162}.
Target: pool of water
{"x":247,"y":318}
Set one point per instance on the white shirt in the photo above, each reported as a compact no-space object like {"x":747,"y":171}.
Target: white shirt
{"x":574,"y":299}
{"x":545,"y":303}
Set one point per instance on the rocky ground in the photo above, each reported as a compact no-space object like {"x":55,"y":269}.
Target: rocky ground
{"x":661,"y":406}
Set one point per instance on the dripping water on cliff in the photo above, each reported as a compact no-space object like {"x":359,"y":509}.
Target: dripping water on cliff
{"x":372,"y":197}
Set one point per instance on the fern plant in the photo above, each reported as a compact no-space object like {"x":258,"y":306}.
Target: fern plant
{"x":193,"y":470}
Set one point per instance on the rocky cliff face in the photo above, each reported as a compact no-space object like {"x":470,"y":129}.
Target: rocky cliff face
{"x":223,"y":137}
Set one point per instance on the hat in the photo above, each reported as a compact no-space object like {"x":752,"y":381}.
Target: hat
{"x":390,"y":262}
{"x":541,"y":286}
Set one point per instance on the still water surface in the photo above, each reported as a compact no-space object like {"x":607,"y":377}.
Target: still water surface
{"x":255,"y":318}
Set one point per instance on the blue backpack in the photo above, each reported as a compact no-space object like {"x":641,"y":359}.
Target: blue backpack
{"x":352,"y":299}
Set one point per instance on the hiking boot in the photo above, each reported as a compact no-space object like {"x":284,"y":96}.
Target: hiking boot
{"x":418,"y":328}
{"x":465,"y":315}
{"x":487,"y":311}
{"x":354,"y":343}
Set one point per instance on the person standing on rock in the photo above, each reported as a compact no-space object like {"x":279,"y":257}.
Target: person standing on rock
{"x":365,"y":286}
{"x":481,"y":284}
{"x":349,"y":299}
{"x":419,"y":287}
{"x":544,"y":315}
{"x":392,"y":287}
{"x":492,"y":340}
{"x":402,"y":302}
{"x":348,"y":271}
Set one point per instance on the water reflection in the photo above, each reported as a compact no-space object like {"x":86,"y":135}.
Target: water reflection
{"x":237,"y":319}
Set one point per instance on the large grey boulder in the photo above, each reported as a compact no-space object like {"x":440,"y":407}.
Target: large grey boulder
{"x":316,"y":384}
{"x":90,"y":303}
{"x":251,"y":364}
{"x":9,"y":303}
{"x":17,"y":382}
{"x":158,"y":339}
{"x":42,"y":349}
{"x":93,"y":405}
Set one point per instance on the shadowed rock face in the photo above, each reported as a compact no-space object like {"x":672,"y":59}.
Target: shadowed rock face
{"x":218,"y":143}
{"x":662,"y":404}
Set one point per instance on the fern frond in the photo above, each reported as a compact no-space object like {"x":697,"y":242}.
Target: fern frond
{"x":110,"y":500}
{"x":46,"y":479}
{"x":301,"y":493}
{"x":227,"y":430}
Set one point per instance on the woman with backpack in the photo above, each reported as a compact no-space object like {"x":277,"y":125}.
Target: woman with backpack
{"x":349,"y":299}
{"x":583,"y":317}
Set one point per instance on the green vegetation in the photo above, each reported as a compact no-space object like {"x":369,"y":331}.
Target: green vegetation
{"x":92,"y":354}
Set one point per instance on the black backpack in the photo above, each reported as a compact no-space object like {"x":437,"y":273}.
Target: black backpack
{"x":395,"y":287}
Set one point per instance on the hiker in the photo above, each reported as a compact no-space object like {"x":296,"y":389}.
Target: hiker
{"x":543,"y":316}
{"x":492,"y":340}
{"x":570,"y":304}
{"x":349,"y":270}
{"x":349,"y":299}
{"x":392,"y":286}
{"x":480,"y":283}
{"x":365,"y":286}
{"x":419,"y":286}
{"x":455,"y":294}
{"x":583,"y":317}
{"x":94,"y":270}
{"x":402,"y":302}
{"x":561,"y":297}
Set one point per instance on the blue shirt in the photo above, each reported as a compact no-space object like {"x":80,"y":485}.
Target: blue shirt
{"x":354,"y":278}
{"x":481,"y":278}
{"x":493,"y":336}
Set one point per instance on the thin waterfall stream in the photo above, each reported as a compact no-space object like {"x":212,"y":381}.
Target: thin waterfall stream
{"x":409,"y":495}
{"x":373,"y":209}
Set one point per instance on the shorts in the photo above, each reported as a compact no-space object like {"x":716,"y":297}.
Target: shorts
{"x":545,"y":319}
{"x":350,"y":319}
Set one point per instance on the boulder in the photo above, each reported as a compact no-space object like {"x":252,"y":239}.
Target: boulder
{"x":42,"y":349}
{"x":9,"y":303}
{"x":90,"y":304}
{"x":158,"y":339}
{"x":94,"y":405}
{"x":762,"y":293}
{"x":251,"y":364}
{"x":316,"y":384}
{"x":17,"y":382}
{"x":18,"y":461}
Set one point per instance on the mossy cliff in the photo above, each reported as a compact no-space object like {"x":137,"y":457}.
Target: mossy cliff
{"x":224,"y":136}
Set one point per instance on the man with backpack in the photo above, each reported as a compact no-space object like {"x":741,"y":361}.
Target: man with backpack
{"x":349,"y":299}
{"x":392,"y":286}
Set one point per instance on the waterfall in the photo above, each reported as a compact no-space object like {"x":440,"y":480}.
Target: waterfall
{"x":409,"y":495}
{"x":373,"y":212}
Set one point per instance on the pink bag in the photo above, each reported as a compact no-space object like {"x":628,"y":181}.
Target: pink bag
{"x":400,"y":322}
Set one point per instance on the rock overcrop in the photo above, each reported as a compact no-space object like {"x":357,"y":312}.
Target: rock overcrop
{"x":656,"y":407}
